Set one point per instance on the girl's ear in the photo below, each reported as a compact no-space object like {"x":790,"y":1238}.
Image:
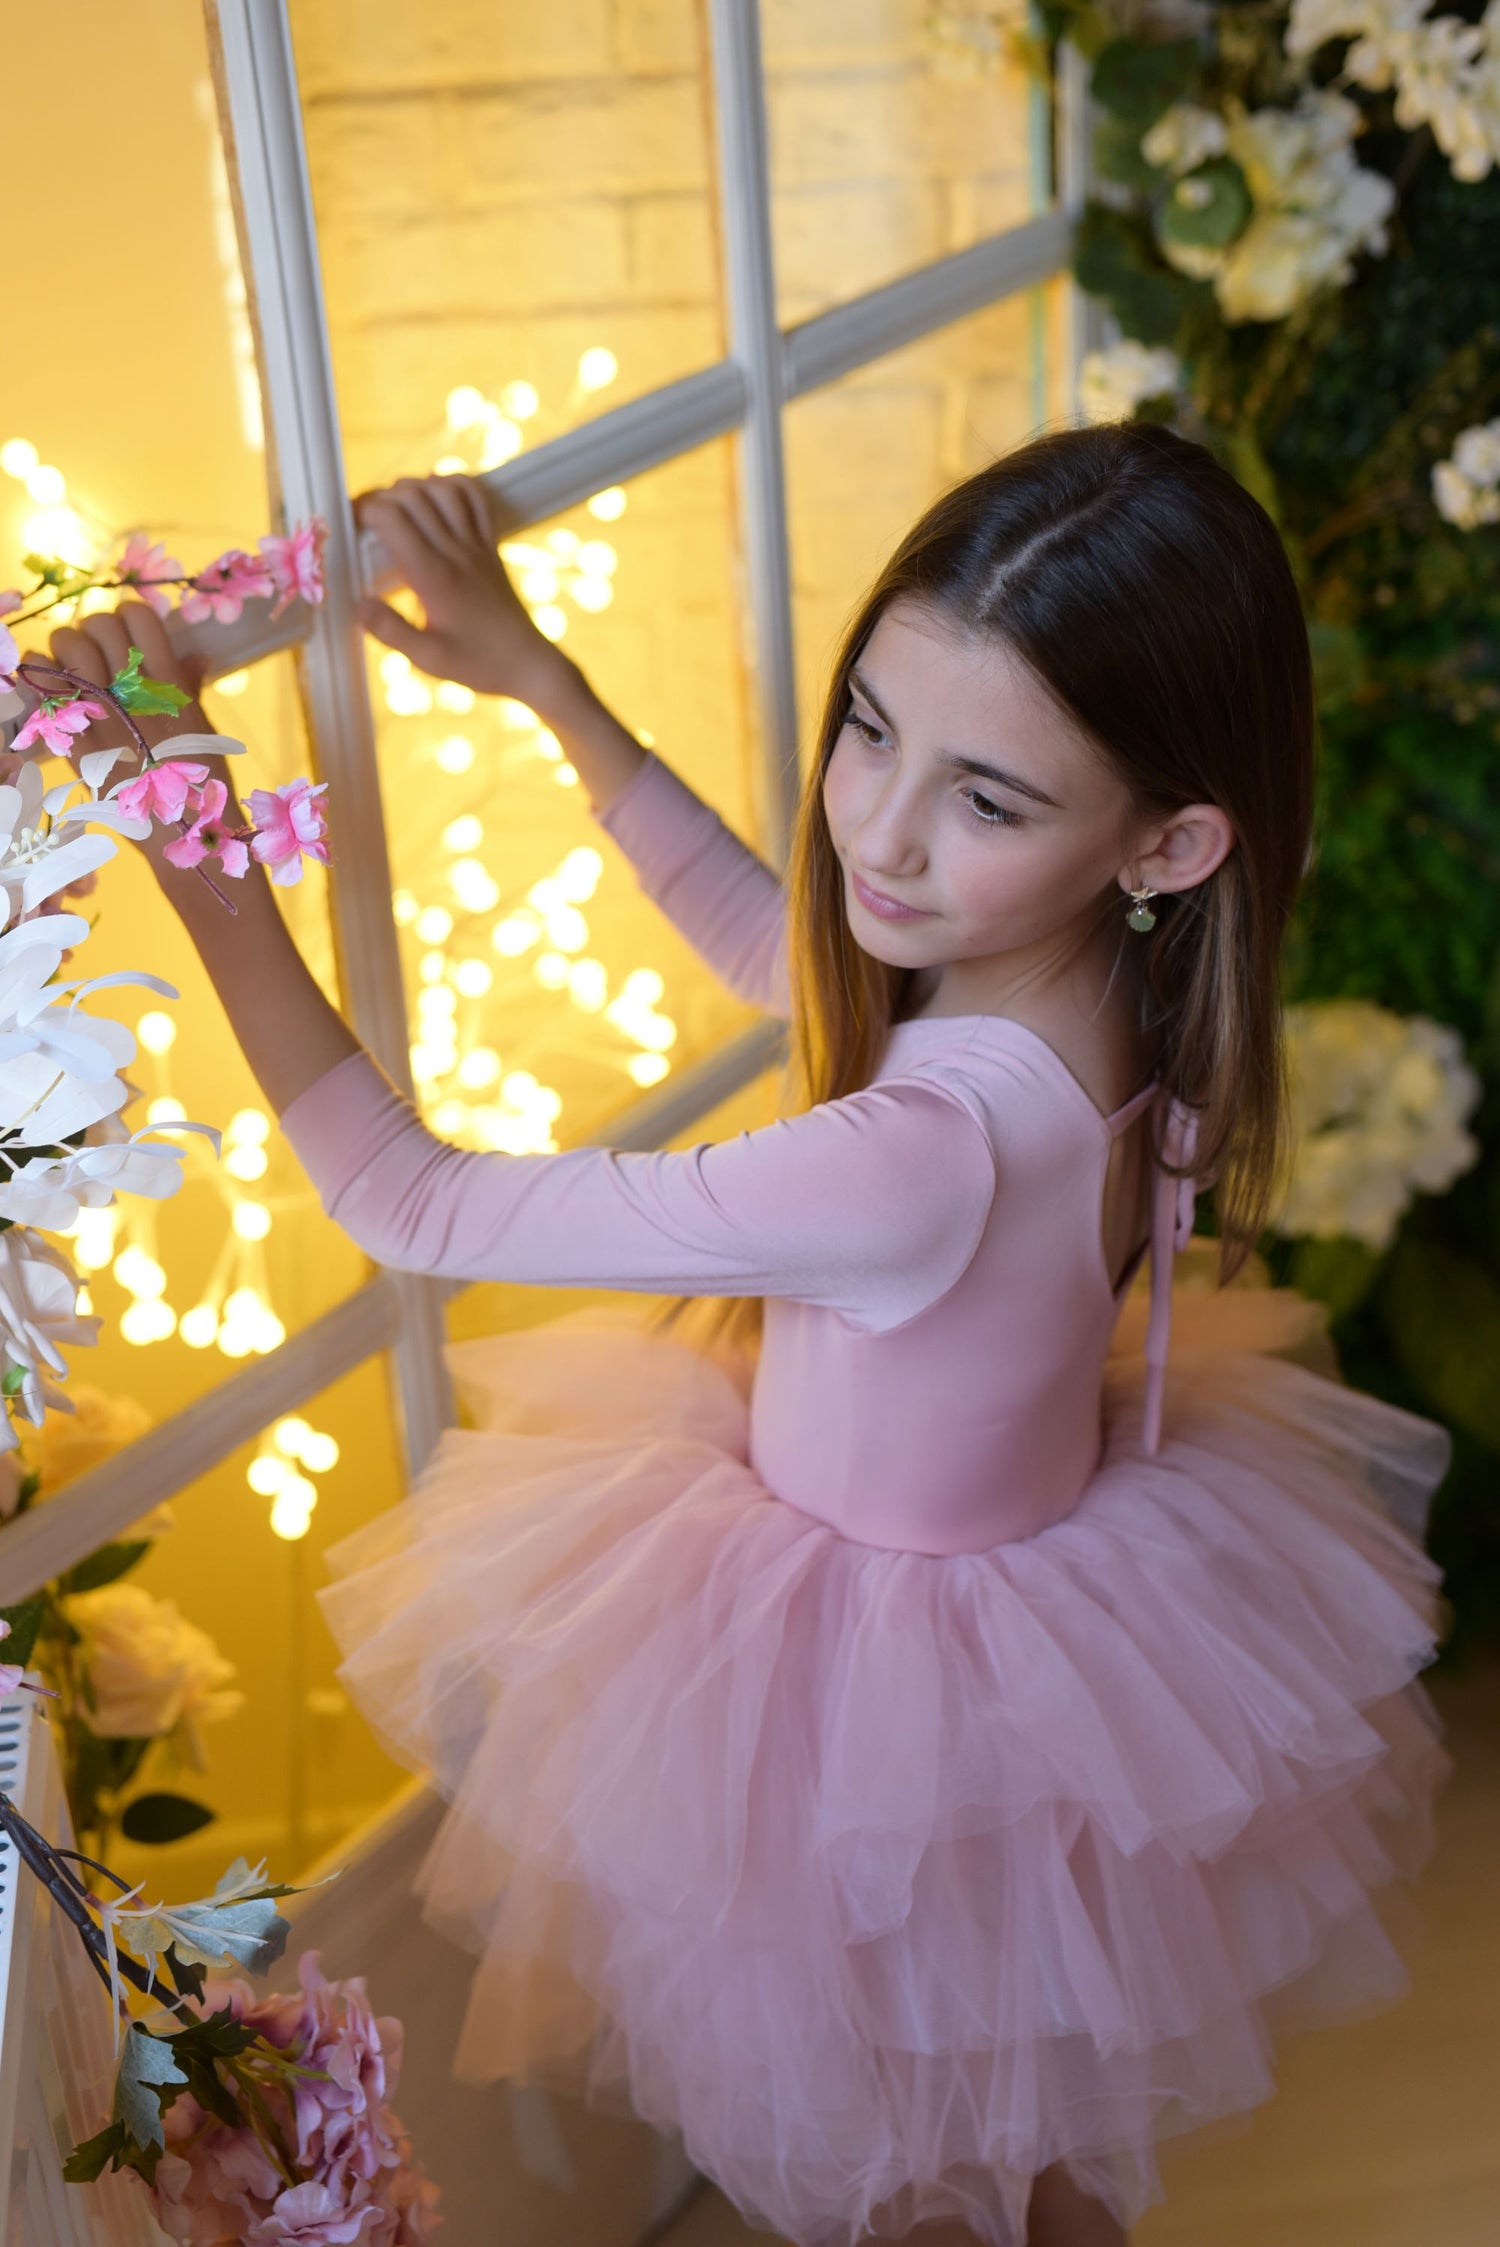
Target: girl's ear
{"x":1184,"y":851}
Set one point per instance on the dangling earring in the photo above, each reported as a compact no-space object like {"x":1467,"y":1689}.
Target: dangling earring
{"x":1140,"y":917}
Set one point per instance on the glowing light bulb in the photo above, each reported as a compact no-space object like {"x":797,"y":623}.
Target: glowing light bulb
{"x":520,"y":400}
{"x":588,"y":984}
{"x":404,"y":908}
{"x":593,"y":594}
{"x":46,"y":485}
{"x":516,"y":934}
{"x":292,"y":1509}
{"x":597,"y":368}
{"x":246,"y":1162}
{"x":83,"y":1306}
{"x":199,"y":1327}
{"x":60,"y":531}
{"x":465,"y":406}
{"x":165,"y":1111}
{"x":516,"y":717}
{"x":643,"y":983}
{"x":464,"y":833}
{"x":578,"y":875}
{"x":233,"y":1340}
{"x":408,"y":698}
{"x":251,"y":1220}
{"x":548,"y":745}
{"x":432,"y":967}
{"x":565,"y":776}
{"x":393,"y":666}
{"x":474,"y":886}
{"x":596,"y":558}
{"x":550,"y":620}
{"x":290,"y":1434}
{"x":479,"y":1069}
{"x":655,"y":1031}
{"x":249,"y":1127}
{"x":147,"y":1320}
{"x":268,"y":1333}
{"x":454,"y":755}
{"x":435,"y":924}
{"x":608,"y":506}
{"x":320,"y":1453}
{"x":451,"y":464}
{"x":267,"y":1474}
{"x":138,"y":1273}
{"x":550,"y":970}
{"x":93,"y":1238}
{"x":451,"y":694}
{"x":648,"y":1068}
{"x":450,"y":1118}
{"x":564,"y":542}
{"x":472,"y":978}
{"x":232,"y":683}
{"x":502,"y":441}
{"x":539,"y":583}
{"x":157,"y":1032}
{"x":18,"y":456}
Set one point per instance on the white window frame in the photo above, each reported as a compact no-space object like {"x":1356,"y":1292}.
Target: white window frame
{"x":744,"y":395}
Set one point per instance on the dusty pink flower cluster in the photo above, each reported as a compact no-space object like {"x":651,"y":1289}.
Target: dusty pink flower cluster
{"x":357,"y":2181}
{"x":288,"y":567}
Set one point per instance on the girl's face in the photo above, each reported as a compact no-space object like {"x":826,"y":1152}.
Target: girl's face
{"x":958,"y":787}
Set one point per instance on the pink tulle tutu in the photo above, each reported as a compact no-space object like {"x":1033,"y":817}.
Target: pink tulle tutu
{"x":890,"y":1879}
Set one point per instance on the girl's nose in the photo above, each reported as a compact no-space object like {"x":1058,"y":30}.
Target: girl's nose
{"x":887,"y":842}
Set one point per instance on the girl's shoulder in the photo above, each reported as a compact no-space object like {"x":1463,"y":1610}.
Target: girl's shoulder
{"x":1006,"y":1073}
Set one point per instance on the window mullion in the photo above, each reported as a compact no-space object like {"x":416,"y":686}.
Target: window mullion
{"x":261,"y":115}
{"x":755,"y":345}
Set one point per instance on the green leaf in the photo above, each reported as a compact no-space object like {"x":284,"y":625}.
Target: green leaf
{"x":25,"y":1622}
{"x":147,"y":2068}
{"x":1117,"y":154}
{"x":144,"y":697}
{"x":159,"y":1818}
{"x":87,"y":2160}
{"x":187,"y":1979}
{"x":103,"y":1567}
{"x":1339,"y":1272}
{"x":1207,"y":208}
{"x":1139,"y":80}
{"x":14,"y":1380}
{"x":1442,"y":1313}
{"x":1115,"y":259}
{"x":1339,"y":665}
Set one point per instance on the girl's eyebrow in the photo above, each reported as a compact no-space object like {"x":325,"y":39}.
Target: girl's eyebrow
{"x":963,"y":764}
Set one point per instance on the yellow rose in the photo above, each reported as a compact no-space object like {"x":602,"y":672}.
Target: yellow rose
{"x":152,"y":1672}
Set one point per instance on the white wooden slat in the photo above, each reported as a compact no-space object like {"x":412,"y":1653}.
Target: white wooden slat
{"x":261,"y":114}
{"x":756,"y":345}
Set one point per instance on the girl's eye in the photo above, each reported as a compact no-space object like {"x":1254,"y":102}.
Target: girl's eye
{"x":986,"y":813}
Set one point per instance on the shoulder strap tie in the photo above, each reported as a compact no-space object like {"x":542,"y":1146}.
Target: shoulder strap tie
{"x":1172,"y":1204}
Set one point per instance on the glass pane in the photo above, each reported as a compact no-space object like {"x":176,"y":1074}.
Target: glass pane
{"x":513,"y":205}
{"x":899,"y":132}
{"x":521,"y":921}
{"x":868,"y":454}
{"x":155,"y":423}
{"x":288,"y":1766}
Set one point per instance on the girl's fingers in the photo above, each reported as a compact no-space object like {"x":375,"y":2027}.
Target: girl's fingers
{"x":476,"y":501}
{"x":80,"y":651}
{"x":391,"y":627}
{"x":145,"y":630}
{"x":447,"y":495}
{"x":403,"y":539}
{"x":419,"y":503}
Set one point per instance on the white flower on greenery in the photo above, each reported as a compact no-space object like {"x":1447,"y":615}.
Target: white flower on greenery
{"x":57,"y":1065}
{"x":1184,"y":137}
{"x":1445,"y":71}
{"x":1466,"y":488}
{"x":50,"y":1190}
{"x":1112,"y":383}
{"x":38,"y":1316}
{"x":150,"y":1671}
{"x":1379,"y":1106}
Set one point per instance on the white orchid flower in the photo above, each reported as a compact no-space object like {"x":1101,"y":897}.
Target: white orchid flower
{"x":38,"y":1314}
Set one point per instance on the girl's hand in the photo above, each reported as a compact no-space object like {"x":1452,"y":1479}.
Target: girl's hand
{"x":438,"y":532}
{"x":98,"y":646}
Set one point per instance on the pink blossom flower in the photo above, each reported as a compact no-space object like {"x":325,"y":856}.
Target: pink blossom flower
{"x":8,"y":601}
{"x":148,"y":569}
{"x":223,"y":588}
{"x":311,"y":2215}
{"x":210,"y":835}
{"x":56,"y":728}
{"x":161,"y":791}
{"x":290,"y":826}
{"x":296,"y":563}
{"x":10,"y":654}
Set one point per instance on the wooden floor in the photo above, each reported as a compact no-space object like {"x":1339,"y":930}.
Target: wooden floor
{"x":1386,"y":2134}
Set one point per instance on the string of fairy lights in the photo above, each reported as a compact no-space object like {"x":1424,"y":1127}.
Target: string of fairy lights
{"x":467,"y":947}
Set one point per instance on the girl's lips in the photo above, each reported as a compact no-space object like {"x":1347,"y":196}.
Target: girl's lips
{"x":885,"y":907}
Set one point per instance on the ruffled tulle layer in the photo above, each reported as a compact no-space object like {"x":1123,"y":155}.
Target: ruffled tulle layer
{"x":891,"y":1879}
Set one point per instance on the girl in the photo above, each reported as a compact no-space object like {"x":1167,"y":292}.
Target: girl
{"x":904,"y":1755}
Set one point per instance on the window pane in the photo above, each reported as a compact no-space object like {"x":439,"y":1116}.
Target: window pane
{"x":868,"y":454}
{"x":154,"y":423}
{"x":508,"y":983}
{"x":294,"y":1768}
{"x":512,"y":200}
{"x":897,"y":136}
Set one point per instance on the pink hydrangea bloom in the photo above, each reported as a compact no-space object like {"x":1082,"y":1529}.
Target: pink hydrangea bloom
{"x":56,"y":729}
{"x":147,"y":568}
{"x":356,"y":2181}
{"x":210,"y":835}
{"x":223,"y":588}
{"x":161,"y":791}
{"x":290,"y":826}
{"x":296,"y":563}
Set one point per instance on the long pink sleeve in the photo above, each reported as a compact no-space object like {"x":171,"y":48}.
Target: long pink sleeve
{"x":871,"y":1205}
{"x":727,"y":902}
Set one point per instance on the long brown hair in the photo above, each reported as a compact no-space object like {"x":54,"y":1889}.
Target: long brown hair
{"x":1150,"y":593}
